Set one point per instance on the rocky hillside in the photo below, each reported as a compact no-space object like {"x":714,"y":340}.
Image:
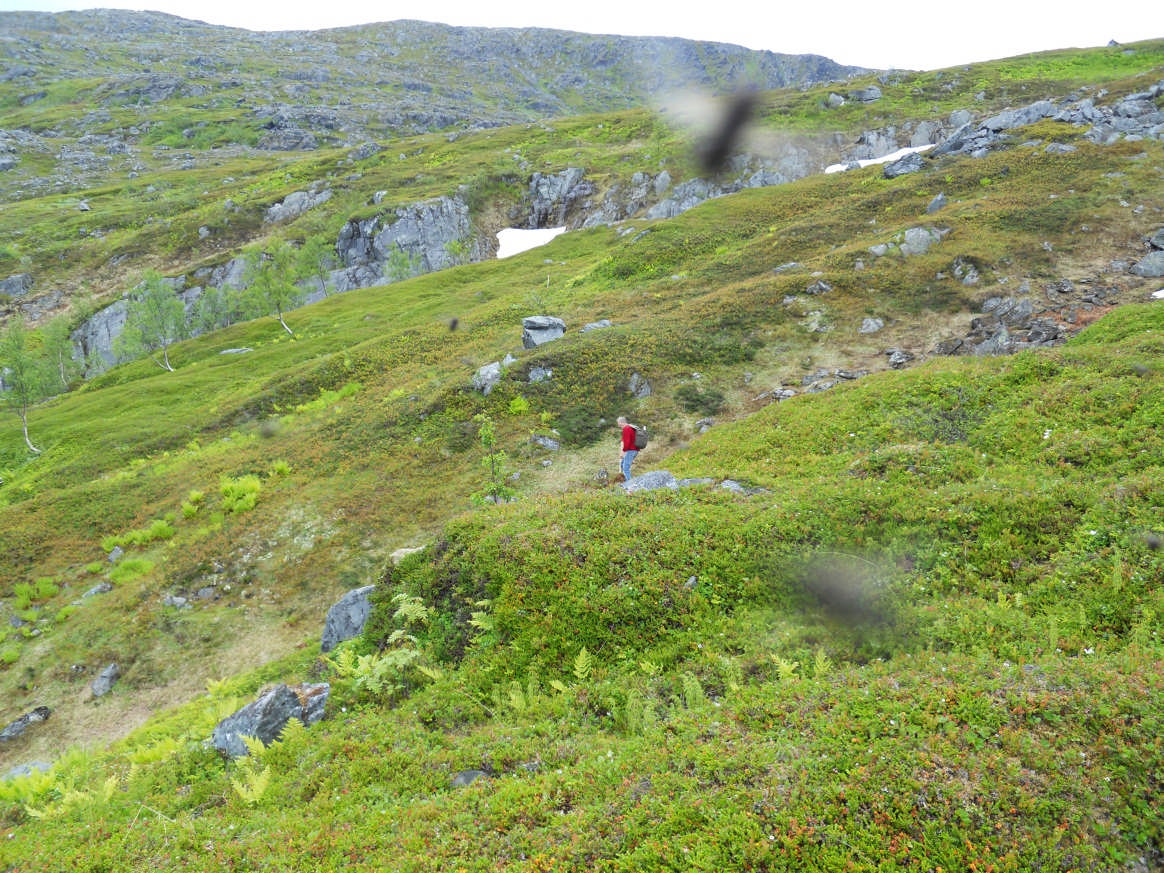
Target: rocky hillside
{"x":118,"y":80}
{"x":183,"y":147}
{"x":689,"y":293}
{"x":891,"y":601}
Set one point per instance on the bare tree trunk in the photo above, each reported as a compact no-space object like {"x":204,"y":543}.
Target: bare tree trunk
{"x":24,"y":427}
{"x":164,"y":363}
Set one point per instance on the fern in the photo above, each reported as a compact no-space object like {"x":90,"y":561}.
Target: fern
{"x":371,"y":674}
{"x":344,"y":663}
{"x":639,"y":715}
{"x":217,"y":687}
{"x":30,"y":787}
{"x":786,"y":669}
{"x":693,"y":695}
{"x":582,"y":665}
{"x":255,"y":747}
{"x":164,"y":748}
{"x":68,"y":798}
{"x":533,"y":691}
{"x":433,"y":673}
{"x":650,"y":668}
{"x":399,"y":636}
{"x":109,"y":788}
{"x":821,"y":665}
{"x":482,"y":620}
{"x":34,"y":783}
{"x":410,"y":609}
{"x":293,"y":731}
{"x":253,"y":784}
{"x":380,"y":674}
{"x":517,"y":698}
{"x":733,"y":674}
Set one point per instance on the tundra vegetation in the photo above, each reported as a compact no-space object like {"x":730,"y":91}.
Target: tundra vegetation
{"x":922,"y":632}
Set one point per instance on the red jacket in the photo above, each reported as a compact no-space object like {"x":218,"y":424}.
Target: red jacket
{"x":628,"y":439}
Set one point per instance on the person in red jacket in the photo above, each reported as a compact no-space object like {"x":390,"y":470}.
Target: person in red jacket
{"x":627,"y":457}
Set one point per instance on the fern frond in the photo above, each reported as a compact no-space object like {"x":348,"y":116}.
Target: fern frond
{"x":633,"y":713}
{"x":483,"y":621}
{"x":252,"y":786}
{"x":410,"y":609}
{"x":293,"y":731}
{"x":733,"y":673}
{"x":255,"y":746}
{"x":693,"y":694}
{"x":786,"y":669}
{"x":582,"y":665}
{"x":224,"y":708}
{"x":27,"y":787}
{"x":72,"y":798}
{"x":216,"y":687}
{"x":159,"y":751}
{"x":401,"y":636}
{"x":821,"y":665}
{"x":344,"y":662}
{"x":516,"y":697}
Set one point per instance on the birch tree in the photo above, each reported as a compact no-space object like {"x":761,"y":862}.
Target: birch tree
{"x":58,"y":350}
{"x":272,"y":289}
{"x":314,"y":261}
{"x":26,"y":372}
{"x":154,"y":320}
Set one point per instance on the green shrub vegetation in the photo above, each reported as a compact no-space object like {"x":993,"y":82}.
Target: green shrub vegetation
{"x":912,"y":622}
{"x":240,"y":494}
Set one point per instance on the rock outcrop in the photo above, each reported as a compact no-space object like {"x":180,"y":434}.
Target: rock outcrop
{"x":105,"y":680}
{"x":537,"y":330}
{"x":1151,"y":266}
{"x":17,"y":728}
{"x":1009,"y":324}
{"x":409,"y":241}
{"x":347,"y":617}
{"x":265,"y":718}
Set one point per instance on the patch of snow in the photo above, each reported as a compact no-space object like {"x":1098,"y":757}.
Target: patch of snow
{"x":1159,"y":295}
{"x":900,"y":153}
{"x":515,"y":240}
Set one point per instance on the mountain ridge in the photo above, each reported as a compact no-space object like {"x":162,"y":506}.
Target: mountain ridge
{"x":465,"y":76}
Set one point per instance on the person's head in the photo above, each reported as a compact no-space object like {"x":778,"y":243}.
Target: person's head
{"x":622,"y":422}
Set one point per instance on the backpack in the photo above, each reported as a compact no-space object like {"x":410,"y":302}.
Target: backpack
{"x":640,"y":437}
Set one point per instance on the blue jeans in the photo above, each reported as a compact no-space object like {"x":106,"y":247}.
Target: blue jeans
{"x":625,"y":464}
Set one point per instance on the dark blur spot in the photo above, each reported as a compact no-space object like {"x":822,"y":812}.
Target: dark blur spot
{"x":1153,"y":542}
{"x":847,"y":590}
{"x":722,"y":141}
{"x":452,"y":324}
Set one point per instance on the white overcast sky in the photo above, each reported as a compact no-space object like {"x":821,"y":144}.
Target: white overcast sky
{"x":919,"y":36}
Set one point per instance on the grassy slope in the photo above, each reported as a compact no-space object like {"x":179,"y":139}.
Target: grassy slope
{"x":1005,"y":510}
{"x":1007,"y":712}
